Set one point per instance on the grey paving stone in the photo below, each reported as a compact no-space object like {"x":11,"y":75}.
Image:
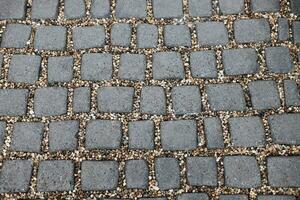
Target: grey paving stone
{"x":121,"y":34}
{"x":292,"y":93}
{"x":167,"y":65}
{"x":226,"y":97}
{"x":12,"y":9}
{"x":141,"y":135}
{"x":50,"y":38}
{"x":234,"y":197}
{"x":100,"y":8}
{"x":55,"y":175}
{"x":252,"y":30}
{"x":27,"y":137}
{"x":275,"y":197}
{"x":158,"y":198}
{"x":63,"y":135}
{"x":295,"y":7}
{"x":13,"y":101}
{"x":247,"y":131}
{"x":279,"y":59}
{"x":88,"y":37}
{"x":285,"y":128}
{"x":167,"y":8}
{"x":63,"y":65}
{"x":147,"y":36}
{"x":284,"y":171}
{"x":45,"y":9}
{"x":74,"y":9}
{"x":200,"y":8}
{"x":2,"y":133}
{"x":16,"y":36}
{"x":153,"y":100}
{"x":15,"y":175}
{"x":296,"y":32}
{"x":177,"y":35}
{"x":240,"y":61}
{"x":136,"y":173}
{"x":81,"y":100}
{"x":167,"y":173}
{"x":50,"y":101}
{"x":265,"y":5}
{"x":115,"y":99}
{"x":99,"y":175}
{"x":193,"y":196}
{"x":211,"y":33}
{"x":131,"y":8}
{"x":202,"y":171}
{"x":231,"y":6}
{"x":132,"y":67}
{"x":283,"y":29}
{"x":1,"y":62}
{"x":103,"y":134}
{"x":213,"y":133}
{"x":241,"y":172}
{"x":178,"y":135}
{"x":264,"y":94}
{"x":186,"y":99}
{"x":203,"y":64}
{"x":24,"y":69}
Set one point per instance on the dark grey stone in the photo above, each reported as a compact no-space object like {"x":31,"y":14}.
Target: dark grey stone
{"x":88,"y":37}
{"x":132,"y":67}
{"x":63,"y":135}
{"x":141,"y":135}
{"x":136,"y":173}
{"x":283,"y":29}
{"x":96,"y":66}
{"x":2,"y":133}
{"x":234,"y":197}
{"x":212,"y":33}
{"x":81,"y":100}
{"x":232,"y":6}
{"x":241,"y":172}
{"x":50,"y":38}
{"x":55,"y":175}
{"x":279,"y":59}
{"x":121,"y":34}
{"x":203,"y":64}
{"x":45,"y":9}
{"x":60,"y":69}
{"x":284,"y":171}
{"x":16,"y":36}
{"x":200,"y":8}
{"x":15,"y":175}
{"x":167,"y":8}
{"x":292,"y":93}
{"x":24,"y":69}
{"x":147,"y":36}
{"x":167,"y":173}
{"x":295,"y":6}
{"x":100,"y":8}
{"x":167,"y":65}
{"x":264,"y":94}
{"x":213,"y":133}
{"x":275,"y":197}
{"x":74,"y":9}
{"x":99,"y":175}
{"x":103,"y":134}
{"x":27,"y":137}
{"x":193,"y":196}
{"x":265,"y":5}
{"x":12,"y":9}
{"x":131,"y":8}
{"x":177,"y":35}
{"x":296,"y":32}
{"x":153,"y":100}
{"x":1,"y":62}
{"x":13,"y":101}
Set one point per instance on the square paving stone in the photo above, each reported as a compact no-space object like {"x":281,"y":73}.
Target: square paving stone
{"x":295,"y":6}
{"x":147,"y":36}
{"x":233,"y":197}
{"x":50,"y":101}
{"x":12,"y":9}
{"x":15,"y":175}
{"x":265,"y":5}
{"x":115,"y":99}
{"x":241,"y":172}
{"x":213,"y":133}
{"x":232,"y":6}
{"x":96,"y":66}
{"x":284,"y":171}
{"x":296,"y":32}
{"x":275,"y":197}
{"x":177,"y":35}
{"x":240,"y":61}
{"x":200,"y":8}
{"x":50,"y":38}
{"x":131,"y":8}
{"x":226,"y":97}
{"x":2,"y":133}
{"x":132,"y":67}
{"x":100,"y":8}
{"x":74,"y":9}
{"x":285,"y":128}
{"x":99,"y":175}
{"x":55,"y":175}
{"x":136,"y":173}
{"x":24,"y":69}
{"x":167,"y":173}
{"x":179,"y":135}
{"x":27,"y":137}
{"x":63,"y":65}
{"x":88,"y":37}
{"x":153,"y":100}
{"x":292,"y":93}
{"x":283,"y":29}
{"x":193,"y":196}
{"x":13,"y":101}
{"x":247,"y":131}
{"x":81,"y":100}
{"x":16,"y":36}
{"x":63,"y":135}
{"x":264,"y":94}
{"x":167,"y":8}
{"x":121,"y":34}
{"x":203,"y":64}
{"x":141,"y":135}
{"x":167,"y":65}
{"x":103,"y":134}
{"x":186,"y":99}
{"x":45,"y":9}
{"x":202,"y":171}
{"x":212,"y":33}
{"x":252,"y":30}
{"x":279,"y":59}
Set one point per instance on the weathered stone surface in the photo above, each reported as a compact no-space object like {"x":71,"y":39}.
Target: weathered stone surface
{"x":2,"y":134}
{"x":200,"y":8}
{"x":295,"y":6}
{"x":121,"y":34}
{"x":292,"y":93}
{"x":296,"y":32}
{"x":283,"y":29}
{"x":275,"y":197}
{"x":13,"y":101}
{"x":234,"y":197}
{"x":12,"y":9}
{"x":177,"y":35}
{"x":203,"y":64}
{"x":16,"y":36}
{"x":81,"y":100}
{"x":60,"y":69}
{"x":141,"y":135}
{"x":132,"y":67}
{"x":45,"y":9}
{"x":167,"y":173}
{"x":167,"y":8}
{"x":212,"y":33}
{"x":232,"y":6}
{"x":153,"y":100}
{"x":50,"y":38}
{"x":279,"y":59}
{"x":213,"y":133}
{"x":147,"y":36}
{"x":100,"y":8}
{"x":131,"y":8}
{"x":74,"y":9}
{"x":265,"y":5}
{"x":88,"y":37}
{"x":193,"y":196}
{"x":136,"y":173}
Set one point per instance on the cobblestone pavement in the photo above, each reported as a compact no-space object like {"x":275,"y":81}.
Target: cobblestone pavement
{"x":150,"y":99}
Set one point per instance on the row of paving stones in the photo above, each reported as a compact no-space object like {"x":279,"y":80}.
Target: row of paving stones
{"x":75,"y":9}
{"x":240,"y":172}
{"x":174,"y":135}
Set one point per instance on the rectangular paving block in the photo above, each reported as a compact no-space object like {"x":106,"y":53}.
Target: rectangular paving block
{"x":82,"y":99}
{"x":120,"y":34}
{"x":132,"y":67}
{"x":177,"y":35}
{"x":233,"y":197}
{"x":229,"y":7}
{"x":12,"y":9}
{"x":283,"y":29}
{"x":131,"y":8}
{"x":193,"y":196}
{"x":279,"y":59}
{"x":167,"y":173}
{"x":200,"y":8}
{"x":74,"y":9}
{"x":100,"y":8}
{"x":63,"y":65}
{"x":265,"y":5}
{"x":1,"y":62}
{"x":295,"y":6}
{"x":291,"y":93}
{"x":88,"y":37}
{"x":296,"y":32}
{"x":141,"y":135}
{"x":203,"y":64}
{"x":153,"y":100}
{"x":45,"y":9}
{"x":136,"y":174}
{"x":275,"y":197}
{"x":16,"y":36}
{"x":212,"y":33}
{"x":2,"y":133}
{"x":167,"y":8}
{"x":158,"y":198}
{"x":213,"y":133}
{"x":13,"y":102}
{"x":50,"y":38}
{"x":147,"y":35}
